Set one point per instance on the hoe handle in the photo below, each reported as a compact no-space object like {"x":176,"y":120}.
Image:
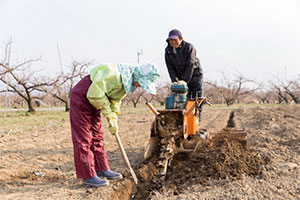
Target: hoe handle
{"x":124,"y":155}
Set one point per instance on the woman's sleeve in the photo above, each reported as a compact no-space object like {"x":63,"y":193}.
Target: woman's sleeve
{"x":98,"y":98}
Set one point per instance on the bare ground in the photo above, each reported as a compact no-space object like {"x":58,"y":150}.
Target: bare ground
{"x":36,"y":161}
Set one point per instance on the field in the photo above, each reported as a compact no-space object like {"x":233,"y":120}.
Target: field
{"x":36,"y":157}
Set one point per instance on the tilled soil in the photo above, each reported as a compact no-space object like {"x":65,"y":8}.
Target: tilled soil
{"x":268,"y":170}
{"x":38,"y":164}
{"x":225,"y":156}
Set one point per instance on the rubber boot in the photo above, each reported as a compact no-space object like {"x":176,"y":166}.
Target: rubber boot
{"x":95,"y":182}
{"x":109,"y":175}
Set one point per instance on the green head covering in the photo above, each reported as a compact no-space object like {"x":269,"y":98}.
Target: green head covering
{"x":145,"y":75}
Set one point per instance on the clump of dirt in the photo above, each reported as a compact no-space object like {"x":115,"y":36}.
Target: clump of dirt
{"x":127,"y":189}
{"x":225,"y":156}
{"x":168,"y":123}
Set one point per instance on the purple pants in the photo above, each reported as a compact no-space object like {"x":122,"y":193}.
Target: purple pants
{"x":89,"y":153}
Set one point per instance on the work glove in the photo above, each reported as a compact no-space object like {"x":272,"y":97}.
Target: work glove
{"x":112,"y":119}
{"x":181,"y":82}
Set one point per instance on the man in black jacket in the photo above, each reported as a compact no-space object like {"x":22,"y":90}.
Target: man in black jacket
{"x":183,"y":64}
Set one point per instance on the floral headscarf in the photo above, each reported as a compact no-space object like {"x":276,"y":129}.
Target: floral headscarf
{"x":145,"y":75}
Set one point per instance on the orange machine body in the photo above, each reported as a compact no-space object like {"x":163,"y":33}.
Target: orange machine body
{"x":191,"y":117}
{"x":190,"y":122}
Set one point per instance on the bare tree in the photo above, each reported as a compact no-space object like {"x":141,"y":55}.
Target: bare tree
{"x":21,"y":81}
{"x":19,"y":78}
{"x":148,"y":97}
{"x":64,"y":82}
{"x":293,"y":90}
{"x":231,"y":90}
{"x":282,"y":96}
{"x":287,"y":90}
{"x":265,"y":97}
{"x":135,"y":97}
{"x":162,"y":91}
{"x":212,"y":92}
{"x":277,"y":86}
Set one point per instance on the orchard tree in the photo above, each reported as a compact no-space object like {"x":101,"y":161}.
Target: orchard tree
{"x":231,"y":90}
{"x":135,"y":97}
{"x":65,"y":81}
{"x":162,"y":91}
{"x":19,"y":78}
{"x":21,"y":81}
{"x":148,"y":97}
{"x":265,"y":96}
{"x":286,"y":90}
{"x":212,"y":92}
{"x":292,"y":88}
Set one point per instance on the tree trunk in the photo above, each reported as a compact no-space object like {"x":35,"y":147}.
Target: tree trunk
{"x":229,"y":101}
{"x":294,"y":97}
{"x":134,"y":104}
{"x":67,"y":107}
{"x":30,"y":106}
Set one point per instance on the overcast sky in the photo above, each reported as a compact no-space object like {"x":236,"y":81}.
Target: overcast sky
{"x":257,"y":38}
